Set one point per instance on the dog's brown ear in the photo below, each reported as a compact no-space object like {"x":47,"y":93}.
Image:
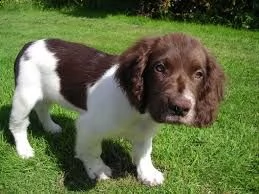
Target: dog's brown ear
{"x":130,"y":73}
{"x":210,"y":94}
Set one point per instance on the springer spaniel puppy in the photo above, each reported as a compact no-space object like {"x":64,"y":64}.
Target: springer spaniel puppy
{"x":167,"y":79}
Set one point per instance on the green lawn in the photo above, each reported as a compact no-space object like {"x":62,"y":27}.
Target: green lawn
{"x":221,"y":159}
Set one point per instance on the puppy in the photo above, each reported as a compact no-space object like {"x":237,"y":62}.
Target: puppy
{"x":166,"y":79}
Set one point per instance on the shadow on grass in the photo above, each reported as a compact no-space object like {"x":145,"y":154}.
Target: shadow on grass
{"x":61,"y":146}
{"x":88,"y":13}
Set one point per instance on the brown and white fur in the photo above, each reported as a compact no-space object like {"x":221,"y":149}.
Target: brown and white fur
{"x":166,"y":79}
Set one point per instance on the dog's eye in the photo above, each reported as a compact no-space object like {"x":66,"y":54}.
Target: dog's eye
{"x":198,"y":74}
{"x":160,"y":67}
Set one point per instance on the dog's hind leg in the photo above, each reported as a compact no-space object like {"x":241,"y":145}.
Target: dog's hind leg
{"x":24,"y":100}
{"x":28,"y":92}
{"x":42,"y":110}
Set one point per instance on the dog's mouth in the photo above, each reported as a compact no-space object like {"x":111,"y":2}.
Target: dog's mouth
{"x":166,"y":117}
{"x":173,"y":117}
{"x":177,"y":110}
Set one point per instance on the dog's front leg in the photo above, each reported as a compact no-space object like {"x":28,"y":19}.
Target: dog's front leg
{"x":147,"y":173}
{"x":88,"y":149}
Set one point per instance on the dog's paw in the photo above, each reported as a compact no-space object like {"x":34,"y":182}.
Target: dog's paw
{"x":150,"y":176}
{"x":98,"y":171}
{"x":25,"y":151}
{"x":53,"y":128}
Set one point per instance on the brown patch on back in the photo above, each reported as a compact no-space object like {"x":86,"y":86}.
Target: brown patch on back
{"x":79,"y":67}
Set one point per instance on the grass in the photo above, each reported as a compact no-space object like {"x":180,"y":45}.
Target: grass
{"x":223,"y":158}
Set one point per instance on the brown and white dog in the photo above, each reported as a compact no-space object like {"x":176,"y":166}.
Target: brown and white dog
{"x":166,"y":79}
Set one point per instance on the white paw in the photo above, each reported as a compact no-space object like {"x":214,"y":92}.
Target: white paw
{"x":53,"y":128}
{"x":25,"y":151}
{"x":150,"y":176}
{"x":98,"y":170}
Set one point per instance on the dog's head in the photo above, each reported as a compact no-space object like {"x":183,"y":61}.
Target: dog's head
{"x":172,"y":77}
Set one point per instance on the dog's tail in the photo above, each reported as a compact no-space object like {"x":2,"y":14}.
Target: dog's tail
{"x":21,"y":54}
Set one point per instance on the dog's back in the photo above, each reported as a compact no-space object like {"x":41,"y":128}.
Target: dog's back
{"x":61,"y":70}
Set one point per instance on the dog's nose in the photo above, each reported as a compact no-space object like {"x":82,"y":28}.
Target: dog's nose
{"x":180,"y":107}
